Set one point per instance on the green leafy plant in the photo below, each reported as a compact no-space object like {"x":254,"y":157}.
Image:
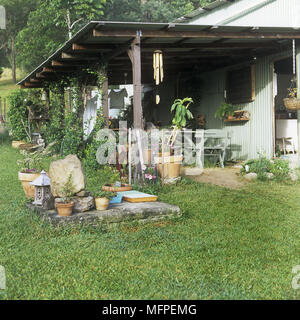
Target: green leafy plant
{"x":26,"y":113}
{"x":104,"y":194}
{"x":181,"y":117}
{"x":68,"y":190}
{"x":182,"y":114}
{"x":264,"y":166}
{"x":18,"y":114}
{"x":225,"y":110}
{"x":30,"y":162}
{"x":95,"y":179}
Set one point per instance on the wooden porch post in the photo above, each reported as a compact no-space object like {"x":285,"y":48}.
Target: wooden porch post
{"x":134,"y":54}
{"x":105,"y":100}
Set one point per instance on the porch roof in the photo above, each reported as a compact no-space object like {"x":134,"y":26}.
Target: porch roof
{"x":186,"y":47}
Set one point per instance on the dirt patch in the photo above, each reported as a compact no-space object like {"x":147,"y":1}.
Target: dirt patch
{"x":228,"y":177}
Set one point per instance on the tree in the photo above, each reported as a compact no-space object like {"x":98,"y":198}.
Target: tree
{"x":43,"y":35}
{"x":17,"y":12}
{"x":150,"y":10}
{"x":70,"y":12}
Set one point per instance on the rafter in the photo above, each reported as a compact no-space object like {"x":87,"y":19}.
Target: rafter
{"x":199,"y":34}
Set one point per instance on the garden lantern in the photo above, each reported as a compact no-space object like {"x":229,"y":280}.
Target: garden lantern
{"x":43,"y":196}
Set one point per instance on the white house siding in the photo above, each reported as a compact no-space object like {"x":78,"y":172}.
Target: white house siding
{"x":262,"y":13}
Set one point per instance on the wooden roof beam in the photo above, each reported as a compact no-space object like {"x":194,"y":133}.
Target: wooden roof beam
{"x":28,"y":85}
{"x":56,"y":63}
{"x":213,"y":45}
{"x":57,"y":70}
{"x":92,"y":47}
{"x":198,"y":34}
{"x":78,"y":56}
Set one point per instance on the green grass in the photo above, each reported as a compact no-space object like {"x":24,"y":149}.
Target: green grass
{"x":229,"y":244}
{"x":6,"y":83}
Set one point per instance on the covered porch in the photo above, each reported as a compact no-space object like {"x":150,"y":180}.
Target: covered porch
{"x":192,"y":58}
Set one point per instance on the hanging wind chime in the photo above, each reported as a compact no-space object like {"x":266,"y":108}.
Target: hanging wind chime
{"x":158,"y":67}
{"x":292,"y":102}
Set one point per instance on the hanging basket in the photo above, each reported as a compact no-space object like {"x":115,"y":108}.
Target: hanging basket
{"x":292,"y":103}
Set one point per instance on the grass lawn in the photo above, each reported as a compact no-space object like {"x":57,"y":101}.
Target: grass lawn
{"x":229,"y":244}
{"x":6,"y":83}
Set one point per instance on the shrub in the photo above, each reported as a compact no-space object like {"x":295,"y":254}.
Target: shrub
{"x":25,"y":107}
{"x":72,"y":142}
{"x":97,"y":179}
{"x":262,"y":166}
{"x":92,"y":145}
{"x":18,"y":114}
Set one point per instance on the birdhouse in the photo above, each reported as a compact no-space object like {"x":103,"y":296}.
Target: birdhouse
{"x":43,"y":196}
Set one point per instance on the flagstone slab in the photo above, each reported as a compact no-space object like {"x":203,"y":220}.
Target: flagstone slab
{"x":115,"y":215}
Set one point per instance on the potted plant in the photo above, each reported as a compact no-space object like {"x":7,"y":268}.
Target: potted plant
{"x":292,"y":102}
{"x":182,"y":114}
{"x":102,"y":199}
{"x":30,"y":167}
{"x":225,"y":111}
{"x":117,"y":187}
{"x":65,"y":206}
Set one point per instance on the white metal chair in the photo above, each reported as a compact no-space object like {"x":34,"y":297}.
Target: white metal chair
{"x":216,"y":143}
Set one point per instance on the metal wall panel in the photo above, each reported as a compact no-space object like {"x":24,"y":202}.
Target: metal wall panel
{"x":247,"y":138}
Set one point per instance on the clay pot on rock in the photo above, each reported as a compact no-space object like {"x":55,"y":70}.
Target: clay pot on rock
{"x":25,"y":179}
{"x":101,"y":204}
{"x":64,"y":209}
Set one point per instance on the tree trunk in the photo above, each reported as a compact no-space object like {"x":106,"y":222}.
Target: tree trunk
{"x":13,"y":59}
{"x":68,"y":20}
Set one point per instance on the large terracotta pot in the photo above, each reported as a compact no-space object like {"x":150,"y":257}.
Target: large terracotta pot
{"x":171,"y":170}
{"x":101,"y":204}
{"x":64,"y":209}
{"x":25,"y":179}
{"x":172,"y":167}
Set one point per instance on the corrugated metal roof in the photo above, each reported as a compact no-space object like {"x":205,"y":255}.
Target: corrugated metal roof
{"x":203,"y":10}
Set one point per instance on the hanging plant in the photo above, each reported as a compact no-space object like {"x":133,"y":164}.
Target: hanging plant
{"x":292,"y":102}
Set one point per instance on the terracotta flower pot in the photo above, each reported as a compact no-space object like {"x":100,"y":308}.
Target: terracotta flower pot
{"x":64,"y":209}
{"x":101,"y":204}
{"x":25,"y":179}
{"x":112,"y":188}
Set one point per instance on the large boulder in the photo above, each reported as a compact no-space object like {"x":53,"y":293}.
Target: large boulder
{"x":60,"y":171}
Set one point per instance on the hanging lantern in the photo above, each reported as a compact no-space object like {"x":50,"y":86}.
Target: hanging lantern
{"x":43,"y":196}
{"x":158,"y":66}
